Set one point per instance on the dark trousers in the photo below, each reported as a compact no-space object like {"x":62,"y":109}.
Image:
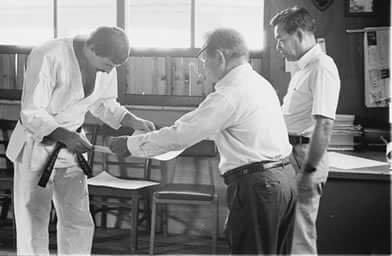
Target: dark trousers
{"x":262,"y":212}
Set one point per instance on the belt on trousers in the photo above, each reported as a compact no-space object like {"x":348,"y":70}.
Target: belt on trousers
{"x":236,"y":173}
{"x":49,"y":165}
{"x":296,"y":140}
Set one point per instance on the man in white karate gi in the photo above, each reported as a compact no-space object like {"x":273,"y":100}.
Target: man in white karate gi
{"x":64,"y":79}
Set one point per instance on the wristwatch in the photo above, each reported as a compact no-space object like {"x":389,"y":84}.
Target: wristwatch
{"x":309,"y":168}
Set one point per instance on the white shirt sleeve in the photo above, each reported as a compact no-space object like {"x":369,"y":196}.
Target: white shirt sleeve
{"x":213,"y":115}
{"x":107,"y":108}
{"x":325,"y":86}
{"x":38,"y":85}
{"x":109,"y":111}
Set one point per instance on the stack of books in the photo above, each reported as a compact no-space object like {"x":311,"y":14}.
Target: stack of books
{"x":344,"y":134}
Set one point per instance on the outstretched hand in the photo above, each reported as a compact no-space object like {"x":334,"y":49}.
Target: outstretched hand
{"x":137,"y":123}
{"x":144,"y":125}
{"x":119,"y":146}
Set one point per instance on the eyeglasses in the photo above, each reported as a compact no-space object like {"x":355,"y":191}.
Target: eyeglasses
{"x":201,"y":54}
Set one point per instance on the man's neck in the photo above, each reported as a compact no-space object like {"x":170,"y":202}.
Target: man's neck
{"x":308,"y":43}
{"x":80,"y":52}
{"x":233,"y":64}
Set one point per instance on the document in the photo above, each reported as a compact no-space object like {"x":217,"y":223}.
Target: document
{"x":161,"y":157}
{"x":347,"y":162}
{"x":107,"y":180}
{"x":102,"y":149}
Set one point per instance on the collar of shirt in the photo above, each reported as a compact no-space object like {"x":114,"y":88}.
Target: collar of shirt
{"x":309,"y":56}
{"x":232,"y":74}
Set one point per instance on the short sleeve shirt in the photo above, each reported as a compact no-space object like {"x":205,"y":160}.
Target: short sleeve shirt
{"x":313,"y":90}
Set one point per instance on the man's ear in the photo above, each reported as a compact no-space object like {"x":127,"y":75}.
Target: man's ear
{"x":221,"y":57}
{"x":300,"y":34}
{"x":91,"y":47}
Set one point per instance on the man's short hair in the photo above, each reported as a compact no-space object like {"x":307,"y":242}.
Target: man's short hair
{"x":110,"y":42}
{"x":229,"y":41}
{"x":293,"y":19}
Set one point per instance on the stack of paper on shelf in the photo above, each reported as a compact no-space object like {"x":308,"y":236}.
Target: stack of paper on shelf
{"x":373,"y":137}
{"x":344,"y":132}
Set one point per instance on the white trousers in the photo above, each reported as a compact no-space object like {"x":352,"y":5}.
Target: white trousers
{"x":67,"y":188}
{"x":305,"y":233}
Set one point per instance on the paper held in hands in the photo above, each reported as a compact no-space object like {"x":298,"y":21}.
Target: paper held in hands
{"x":162,"y":157}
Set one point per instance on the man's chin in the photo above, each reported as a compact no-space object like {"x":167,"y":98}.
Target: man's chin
{"x":102,"y":70}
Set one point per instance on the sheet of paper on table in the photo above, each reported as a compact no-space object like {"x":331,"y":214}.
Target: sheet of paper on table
{"x":347,"y":162}
{"x":107,"y":180}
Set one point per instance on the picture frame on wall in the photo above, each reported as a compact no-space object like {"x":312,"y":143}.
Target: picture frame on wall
{"x":359,"y":8}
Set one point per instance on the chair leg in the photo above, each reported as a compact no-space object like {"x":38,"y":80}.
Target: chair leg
{"x":165,"y":220}
{"x":134,"y":222}
{"x":5,"y":208}
{"x":152,"y":232}
{"x":13,"y":220}
{"x":147,"y":210}
{"x":215,"y":226}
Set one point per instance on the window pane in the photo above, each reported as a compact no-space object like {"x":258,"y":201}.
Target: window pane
{"x":77,"y":16}
{"x":246,"y":16}
{"x":158,"y":23}
{"x":26,"y":22}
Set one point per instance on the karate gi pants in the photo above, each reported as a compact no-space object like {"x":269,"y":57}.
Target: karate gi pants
{"x":67,"y":188}
{"x":305,"y":233}
{"x":262,"y":212}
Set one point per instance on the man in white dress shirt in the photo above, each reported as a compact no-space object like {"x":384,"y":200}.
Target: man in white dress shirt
{"x":309,"y":110}
{"x":244,"y":118}
{"x":64,"y":79}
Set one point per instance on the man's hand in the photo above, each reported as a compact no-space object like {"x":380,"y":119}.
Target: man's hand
{"x":144,"y":125}
{"x":136,"y":123}
{"x":119,"y":146}
{"x":72,"y":140}
{"x":306,"y":186}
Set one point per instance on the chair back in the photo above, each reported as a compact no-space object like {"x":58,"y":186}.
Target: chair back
{"x":6,"y":127}
{"x":205,"y":149}
{"x":100,"y":134}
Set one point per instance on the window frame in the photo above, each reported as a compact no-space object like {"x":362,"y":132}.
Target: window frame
{"x":126,"y":98}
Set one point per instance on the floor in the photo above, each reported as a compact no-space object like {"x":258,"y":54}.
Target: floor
{"x":115,"y":242}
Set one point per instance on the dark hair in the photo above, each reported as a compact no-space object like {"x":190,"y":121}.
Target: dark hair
{"x":294,"y":18}
{"x":110,"y":42}
{"x":229,"y":41}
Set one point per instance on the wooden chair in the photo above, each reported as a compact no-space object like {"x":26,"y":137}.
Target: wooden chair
{"x":188,"y":194}
{"x":135,"y":202}
{"x":6,"y":170}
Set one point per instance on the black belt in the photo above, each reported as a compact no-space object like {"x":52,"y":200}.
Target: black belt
{"x":236,"y":173}
{"x":49,"y":165}
{"x":296,"y":140}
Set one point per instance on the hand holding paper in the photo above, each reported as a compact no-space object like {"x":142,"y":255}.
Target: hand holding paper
{"x":118,"y":145}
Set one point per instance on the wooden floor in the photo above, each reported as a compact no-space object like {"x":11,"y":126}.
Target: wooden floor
{"x":116,"y":242}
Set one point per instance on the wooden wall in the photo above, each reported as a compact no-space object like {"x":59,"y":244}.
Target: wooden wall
{"x":345,"y":48}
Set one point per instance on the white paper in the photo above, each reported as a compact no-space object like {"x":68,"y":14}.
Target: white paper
{"x":107,"y":180}
{"x":102,"y":149}
{"x":161,"y":157}
{"x":165,"y":156}
{"x":347,"y":162}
